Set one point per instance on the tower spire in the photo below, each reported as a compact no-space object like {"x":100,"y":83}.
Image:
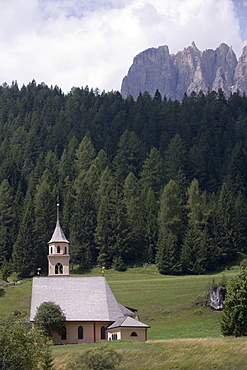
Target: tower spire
{"x":58,"y":257}
{"x":58,"y":205}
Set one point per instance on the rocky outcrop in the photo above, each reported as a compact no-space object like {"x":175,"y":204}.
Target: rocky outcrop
{"x":188,"y":70}
{"x":216,"y":297}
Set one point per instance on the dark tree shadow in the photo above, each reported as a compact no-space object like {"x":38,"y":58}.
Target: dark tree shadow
{"x":2,"y":292}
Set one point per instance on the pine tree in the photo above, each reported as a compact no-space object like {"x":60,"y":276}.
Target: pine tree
{"x":85,"y":154}
{"x":240,"y":221}
{"x":234,"y":320}
{"x":45,"y":218}
{"x":153,"y":172}
{"x":224,"y":229}
{"x":25,"y":249}
{"x":134,"y":218}
{"x":170,"y":228}
{"x":176,"y":157}
{"x":82,"y":228}
{"x":129,"y":156}
{"x":103,"y":228}
{"x":6,"y":220}
{"x":150,"y":214}
{"x":236,"y":174}
{"x":196,"y":241}
{"x":120,"y":248}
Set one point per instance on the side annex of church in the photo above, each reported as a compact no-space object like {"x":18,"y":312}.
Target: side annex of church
{"x":92,"y":312}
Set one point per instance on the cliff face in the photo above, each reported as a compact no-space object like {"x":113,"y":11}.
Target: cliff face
{"x":188,"y":70}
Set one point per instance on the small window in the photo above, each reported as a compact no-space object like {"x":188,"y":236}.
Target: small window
{"x":133,"y":334}
{"x":102,"y":332}
{"x":63,"y":336}
{"x":65,"y":250}
{"x":114,"y":336}
{"x":58,"y":249}
{"x":51,"y":251}
{"x":80,"y":332}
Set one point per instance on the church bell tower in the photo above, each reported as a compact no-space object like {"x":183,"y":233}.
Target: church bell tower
{"x":58,"y":256}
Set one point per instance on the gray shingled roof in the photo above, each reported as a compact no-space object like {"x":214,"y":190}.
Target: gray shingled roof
{"x":58,"y":234}
{"x":127,"y":322}
{"x":80,"y":298}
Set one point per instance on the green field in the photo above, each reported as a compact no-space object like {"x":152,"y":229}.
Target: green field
{"x":184,"y":333}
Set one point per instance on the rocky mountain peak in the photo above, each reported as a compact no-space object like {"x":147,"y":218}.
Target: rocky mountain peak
{"x":186,"y":71}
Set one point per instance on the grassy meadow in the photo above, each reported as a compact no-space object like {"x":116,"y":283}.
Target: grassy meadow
{"x":184,"y":333}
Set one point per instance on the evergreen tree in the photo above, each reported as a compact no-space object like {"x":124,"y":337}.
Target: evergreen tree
{"x":85,"y":154}
{"x":129,"y":156}
{"x":103,"y":228}
{"x":134,"y":218}
{"x":153,"y":172}
{"x":176,"y":157}
{"x":224,"y":238}
{"x":120,"y":247}
{"x":236,"y":174}
{"x":234,"y":320}
{"x":25,"y":249}
{"x":194,"y":251}
{"x":240,"y":222}
{"x":45,"y":218}
{"x":6,"y":220}
{"x":197,"y":165}
{"x":170,"y":228}
{"x":67,"y":162}
{"x":150,"y":228}
{"x":82,"y":229}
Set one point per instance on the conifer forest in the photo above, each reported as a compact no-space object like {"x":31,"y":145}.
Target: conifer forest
{"x":138,"y":181}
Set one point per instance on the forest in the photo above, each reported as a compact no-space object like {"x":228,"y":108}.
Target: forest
{"x":139,"y":181}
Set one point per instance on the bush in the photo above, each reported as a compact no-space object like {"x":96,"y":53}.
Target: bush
{"x":100,"y":358}
{"x":234,"y":319}
{"x":19,"y":349}
{"x":243,"y":263}
{"x":50,"y":318}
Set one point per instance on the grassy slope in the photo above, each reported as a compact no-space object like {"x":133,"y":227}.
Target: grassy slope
{"x":191,"y":354}
{"x":168,"y":305}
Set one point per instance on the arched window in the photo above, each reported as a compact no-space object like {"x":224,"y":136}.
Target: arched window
{"x":58,"y":249}
{"x":80,"y":332}
{"x":102,"y":332}
{"x":133,"y":334}
{"x":65,"y":250}
{"x":63,"y":336}
{"x":51,"y":250}
{"x":58,"y":269}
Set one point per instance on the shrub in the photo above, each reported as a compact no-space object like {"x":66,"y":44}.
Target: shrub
{"x":234,"y":319}
{"x":100,"y":358}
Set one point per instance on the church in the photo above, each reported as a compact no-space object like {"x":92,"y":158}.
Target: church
{"x":92,"y":312}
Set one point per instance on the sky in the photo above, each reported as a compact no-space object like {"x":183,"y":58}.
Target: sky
{"x":93,"y":42}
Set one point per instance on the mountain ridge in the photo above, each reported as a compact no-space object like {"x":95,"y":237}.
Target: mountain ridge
{"x":186,"y":71}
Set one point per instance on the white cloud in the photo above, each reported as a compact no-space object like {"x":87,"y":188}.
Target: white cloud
{"x":93,"y":42}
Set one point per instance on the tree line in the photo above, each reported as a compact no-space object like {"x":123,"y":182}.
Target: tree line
{"x":145,"y":181}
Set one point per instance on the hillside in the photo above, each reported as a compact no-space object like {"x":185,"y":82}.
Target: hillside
{"x":173,"y":306}
{"x":145,"y":181}
{"x":183,"y":332}
{"x":186,"y":71}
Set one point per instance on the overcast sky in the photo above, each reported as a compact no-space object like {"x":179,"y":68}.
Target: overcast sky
{"x":93,"y":42}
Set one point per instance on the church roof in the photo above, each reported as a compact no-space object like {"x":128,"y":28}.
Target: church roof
{"x":58,"y":234}
{"x":127,"y":322}
{"x":80,"y":298}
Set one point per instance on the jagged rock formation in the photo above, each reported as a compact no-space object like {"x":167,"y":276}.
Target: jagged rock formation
{"x":188,"y":70}
{"x":216,"y":297}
